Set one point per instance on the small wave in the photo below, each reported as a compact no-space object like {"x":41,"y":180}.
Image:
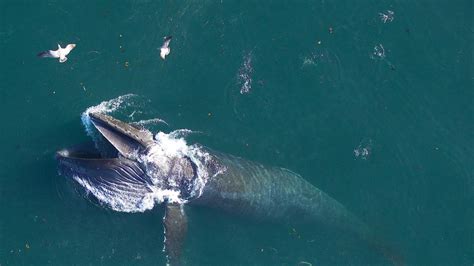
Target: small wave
{"x":153,"y":121}
{"x":379,"y":52}
{"x":182,"y":133}
{"x":245,"y":74}
{"x":388,"y":16}
{"x":315,"y":58}
{"x":364,"y":149}
{"x":309,"y":61}
{"x":104,"y":108}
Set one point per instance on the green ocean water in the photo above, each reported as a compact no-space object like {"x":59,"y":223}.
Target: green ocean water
{"x":377,"y":114}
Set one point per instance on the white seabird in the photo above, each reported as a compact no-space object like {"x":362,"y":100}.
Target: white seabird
{"x":165,"y":49}
{"x":60,"y":53}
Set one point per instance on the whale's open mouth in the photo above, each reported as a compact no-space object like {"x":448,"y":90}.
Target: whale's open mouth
{"x":123,"y":142}
{"x":129,"y":170}
{"x":110,"y":173}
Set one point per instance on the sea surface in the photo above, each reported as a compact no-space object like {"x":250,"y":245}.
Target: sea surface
{"x":370,"y":101}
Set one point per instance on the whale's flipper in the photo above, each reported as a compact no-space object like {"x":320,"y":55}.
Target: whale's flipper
{"x":176,"y":225}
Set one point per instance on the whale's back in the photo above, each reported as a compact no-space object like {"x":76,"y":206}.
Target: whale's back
{"x":251,"y":189}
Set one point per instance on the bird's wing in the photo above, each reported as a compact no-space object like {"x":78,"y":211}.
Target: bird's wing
{"x":166,"y":42}
{"x":68,"y":48}
{"x":164,"y":52}
{"x":49,"y":53}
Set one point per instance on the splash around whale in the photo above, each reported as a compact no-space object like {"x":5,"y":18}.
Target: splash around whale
{"x":129,"y":169}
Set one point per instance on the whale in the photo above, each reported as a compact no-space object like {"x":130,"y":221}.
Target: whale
{"x":136,"y":169}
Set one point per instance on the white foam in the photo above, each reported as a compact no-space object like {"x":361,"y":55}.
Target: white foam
{"x":159,"y":160}
{"x":168,"y":145}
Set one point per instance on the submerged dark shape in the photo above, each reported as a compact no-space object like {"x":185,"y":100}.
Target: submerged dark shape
{"x":130,"y":180}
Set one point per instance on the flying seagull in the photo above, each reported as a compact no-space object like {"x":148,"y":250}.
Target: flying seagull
{"x":60,"y":53}
{"x":165,"y":49}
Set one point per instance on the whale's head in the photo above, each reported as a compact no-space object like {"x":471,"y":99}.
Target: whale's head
{"x":132,"y":171}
